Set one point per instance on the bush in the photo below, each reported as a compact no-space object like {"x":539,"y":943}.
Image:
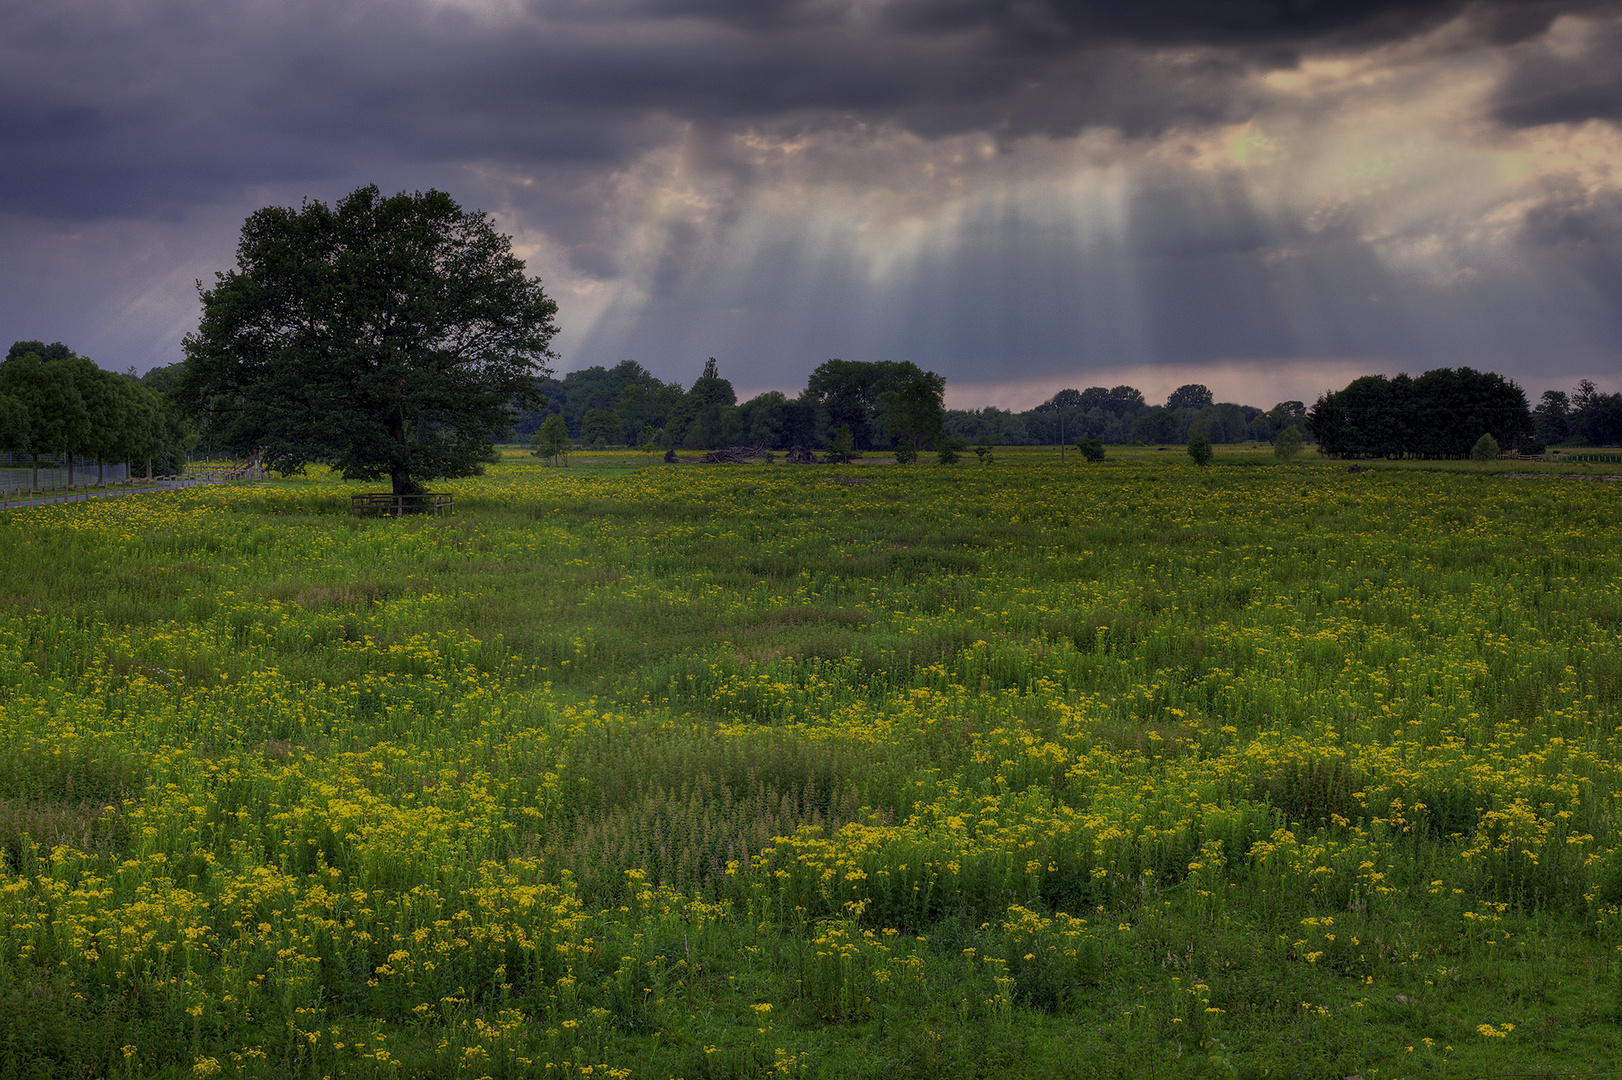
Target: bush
{"x":1199,"y":448}
{"x":1091,"y":449}
{"x":1287,"y":445}
{"x":843,"y":450}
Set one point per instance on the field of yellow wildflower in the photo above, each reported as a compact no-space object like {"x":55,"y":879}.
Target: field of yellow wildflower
{"x":1026,"y":769}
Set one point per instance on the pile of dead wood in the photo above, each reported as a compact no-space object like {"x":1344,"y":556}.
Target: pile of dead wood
{"x":801,"y":456}
{"x":737,"y":455}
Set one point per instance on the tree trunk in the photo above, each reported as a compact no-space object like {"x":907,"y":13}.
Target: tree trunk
{"x":400,"y":481}
{"x":399,"y":474}
{"x":36,"y":472}
{"x":70,"y":470}
{"x":101,"y":478}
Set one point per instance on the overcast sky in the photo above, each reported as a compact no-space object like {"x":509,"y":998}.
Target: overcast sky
{"x":1267,"y":196}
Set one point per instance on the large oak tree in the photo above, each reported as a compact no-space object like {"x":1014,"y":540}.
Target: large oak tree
{"x":380,"y":336}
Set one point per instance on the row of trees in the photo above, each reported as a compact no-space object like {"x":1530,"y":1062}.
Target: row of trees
{"x":1440,"y":414}
{"x":1444,"y":414}
{"x":1585,"y":416}
{"x":53,"y":401}
{"x":397,"y":337}
{"x":1120,"y":415}
{"x":884,"y":405}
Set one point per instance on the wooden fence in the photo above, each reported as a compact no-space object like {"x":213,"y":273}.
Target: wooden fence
{"x":1604,"y":456}
{"x":216,"y":474}
{"x":387,"y":504}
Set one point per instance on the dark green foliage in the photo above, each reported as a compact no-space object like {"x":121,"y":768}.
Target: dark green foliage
{"x":627,"y":390}
{"x":916,"y":415}
{"x":13,"y":423}
{"x":1189,"y":396}
{"x":708,"y":415}
{"x":1155,"y":426}
{"x":843,"y":449}
{"x":599,"y":428}
{"x":551,"y":440}
{"x":1597,"y":417}
{"x":1091,"y":449}
{"x":865,"y":396}
{"x":1441,"y":414}
{"x":46,"y":391}
{"x":1199,"y":448}
{"x":54,"y":402}
{"x":381,"y":336}
{"x":1551,"y":420}
{"x":1287,"y":445}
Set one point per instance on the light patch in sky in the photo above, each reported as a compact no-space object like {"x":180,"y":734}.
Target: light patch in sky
{"x":1367,"y":199}
{"x":1259,"y":382}
{"x":1003,"y":194}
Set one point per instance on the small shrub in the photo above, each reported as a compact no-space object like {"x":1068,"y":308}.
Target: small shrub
{"x":1287,"y":445}
{"x":844,"y":448}
{"x":1091,"y":449}
{"x":1199,"y":448}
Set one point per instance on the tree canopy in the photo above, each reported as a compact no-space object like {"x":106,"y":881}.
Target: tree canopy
{"x":1189,"y":396}
{"x":861,"y":395}
{"x":53,"y":401}
{"x":1441,"y":414}
{"x":380,"y":336}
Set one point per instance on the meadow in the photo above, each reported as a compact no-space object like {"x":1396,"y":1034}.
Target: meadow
{"x":1026,"y":769}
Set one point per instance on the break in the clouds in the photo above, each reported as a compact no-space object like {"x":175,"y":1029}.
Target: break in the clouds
{"x":1264,"y":195}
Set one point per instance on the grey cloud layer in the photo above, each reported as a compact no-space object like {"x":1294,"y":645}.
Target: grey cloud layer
{"x":108,"y":107}
{"x":725,"y":172}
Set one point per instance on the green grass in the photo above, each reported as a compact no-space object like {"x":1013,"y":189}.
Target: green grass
{"x":1122,"y":769}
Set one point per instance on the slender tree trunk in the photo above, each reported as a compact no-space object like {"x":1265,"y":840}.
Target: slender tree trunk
{"x":403,"y":489}
{"x":36,"y":472}
{"x":70,"y":470}
{"x":101,"y":478}
{"x":399,"y":475}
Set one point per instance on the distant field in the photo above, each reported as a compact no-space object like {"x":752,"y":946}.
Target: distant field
{"x":1564,"y":461}
{"x":1030,"y":769}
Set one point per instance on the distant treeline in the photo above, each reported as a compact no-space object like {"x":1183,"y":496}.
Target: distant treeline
{"x":881,"y":403}
{"x":53,"y":401}
{"x":1120,"y":415}
{"x":1442,"y":414}
{"x":626,"y":405}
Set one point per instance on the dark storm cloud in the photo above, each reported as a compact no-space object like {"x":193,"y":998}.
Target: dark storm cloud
{"x":174,"y":101}
{"x":1582,"y":231}
{"x":1577,"y":84}
{"x":730,"y":171}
